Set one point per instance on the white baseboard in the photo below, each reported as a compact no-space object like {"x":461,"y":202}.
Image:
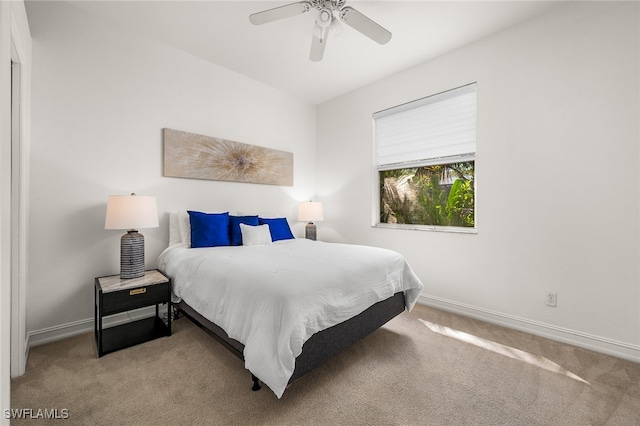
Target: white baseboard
{"x":51,"y":334}
{"x":584,"y":340}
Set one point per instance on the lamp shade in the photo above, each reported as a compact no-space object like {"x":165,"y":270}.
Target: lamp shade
{"x":131,"y":212}
{"x":310,"y":212}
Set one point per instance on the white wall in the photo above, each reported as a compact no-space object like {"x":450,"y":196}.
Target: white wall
{"x":5,"y":208}
{"x":556,"y":94}
{"x":557,"y":177}
{"x":101,"y":96}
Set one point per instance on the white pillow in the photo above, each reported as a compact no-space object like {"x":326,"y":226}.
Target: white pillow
{"x":175,"y":239}
{"x":255,"y":235}
{"x":185,"y":229}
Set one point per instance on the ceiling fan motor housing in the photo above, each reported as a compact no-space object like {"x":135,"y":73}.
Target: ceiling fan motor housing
{"x":325,"y":17}
{"x":331,"y":4}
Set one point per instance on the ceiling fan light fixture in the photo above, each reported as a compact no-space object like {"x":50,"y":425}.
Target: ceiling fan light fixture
{"x":335,"y":29}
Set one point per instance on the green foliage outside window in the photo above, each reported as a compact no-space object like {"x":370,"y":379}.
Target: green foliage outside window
{"x":439,"y":195}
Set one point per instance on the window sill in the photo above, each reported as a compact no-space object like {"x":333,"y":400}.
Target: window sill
{"x":450,"y":229}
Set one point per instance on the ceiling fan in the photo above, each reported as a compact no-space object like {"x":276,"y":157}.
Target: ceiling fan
{"x":330,"y":11}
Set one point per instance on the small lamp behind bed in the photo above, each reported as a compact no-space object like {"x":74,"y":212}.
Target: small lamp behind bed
{"x":131,"y":212}
{"x":310,"y":212}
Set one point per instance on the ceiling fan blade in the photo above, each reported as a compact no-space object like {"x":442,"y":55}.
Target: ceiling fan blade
{"x":317,"y":47}
{"x":281,"y":12}
{"x":366,"y":26}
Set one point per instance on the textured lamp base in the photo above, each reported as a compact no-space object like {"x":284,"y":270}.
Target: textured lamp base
{"x":131,"y":255}
{"x":310,"y":231}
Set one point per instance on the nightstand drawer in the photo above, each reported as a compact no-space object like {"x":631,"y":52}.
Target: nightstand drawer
{"x":134,"y":298}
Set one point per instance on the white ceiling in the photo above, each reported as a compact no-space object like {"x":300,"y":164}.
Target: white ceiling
{"x":277,"y":53}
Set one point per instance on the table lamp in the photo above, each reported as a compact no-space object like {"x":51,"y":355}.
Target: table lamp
{"x":310,"y":212}
{"x":131,"y":212}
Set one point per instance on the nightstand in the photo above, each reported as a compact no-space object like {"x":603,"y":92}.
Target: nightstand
{"x":114,"y":295}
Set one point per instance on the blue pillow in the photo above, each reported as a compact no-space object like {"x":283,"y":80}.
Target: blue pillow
{"x":234,"y":227}
{"x":279,"y":228}
{"x":209,"y":229}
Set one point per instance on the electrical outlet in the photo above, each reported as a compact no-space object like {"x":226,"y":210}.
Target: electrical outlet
{"x":551,"y":298}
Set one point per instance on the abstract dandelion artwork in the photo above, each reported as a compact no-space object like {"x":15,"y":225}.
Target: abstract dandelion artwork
{"x":188,"y":155}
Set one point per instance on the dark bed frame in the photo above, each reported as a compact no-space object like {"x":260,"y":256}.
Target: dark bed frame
{"x":323,"y":344}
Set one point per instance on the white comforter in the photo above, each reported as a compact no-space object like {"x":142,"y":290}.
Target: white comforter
{"x":272,"y":298}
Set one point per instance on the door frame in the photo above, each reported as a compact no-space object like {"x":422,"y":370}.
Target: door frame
{"x":20,"y":138}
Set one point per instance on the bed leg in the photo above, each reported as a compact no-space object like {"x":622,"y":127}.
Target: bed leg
{"x":256,"y":383}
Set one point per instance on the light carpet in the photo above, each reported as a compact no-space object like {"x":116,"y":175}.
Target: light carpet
{"x":427,"y":367}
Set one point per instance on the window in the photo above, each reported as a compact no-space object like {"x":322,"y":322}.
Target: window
{"x":424,"y":160}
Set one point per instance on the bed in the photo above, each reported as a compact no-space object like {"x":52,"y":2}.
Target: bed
{"x":287,"y":305}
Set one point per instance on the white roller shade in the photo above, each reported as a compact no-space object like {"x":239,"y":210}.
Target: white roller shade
{"x":441,"y":125}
